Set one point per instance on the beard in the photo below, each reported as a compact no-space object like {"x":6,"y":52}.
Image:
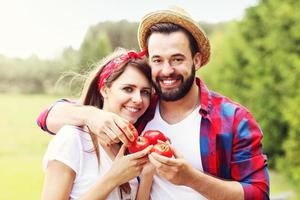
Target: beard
{"x":179,"y":92}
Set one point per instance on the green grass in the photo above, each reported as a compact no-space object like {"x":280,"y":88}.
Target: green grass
{"x":23,"y":144}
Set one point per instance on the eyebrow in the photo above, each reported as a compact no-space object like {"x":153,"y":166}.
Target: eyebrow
{"x":178,"y":55}
{"x":131,"y":85}
{"x":173,"y":55}
{"x":155,"y":56}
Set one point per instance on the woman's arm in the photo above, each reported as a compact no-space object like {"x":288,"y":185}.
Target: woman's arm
{"x":60,"y":178}
{"x":58,"y":181}
{"x":144,"y":188}
{"x":146,"y":182}
{"x":101,"y":189}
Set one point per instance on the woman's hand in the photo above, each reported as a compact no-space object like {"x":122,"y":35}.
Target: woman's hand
{"x":125,"y":168}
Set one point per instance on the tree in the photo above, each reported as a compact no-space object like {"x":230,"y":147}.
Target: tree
{"x":95,"y":46}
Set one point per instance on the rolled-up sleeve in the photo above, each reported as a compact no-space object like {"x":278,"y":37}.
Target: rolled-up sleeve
{"x":249,"y":164}
{"x":42,"y":118}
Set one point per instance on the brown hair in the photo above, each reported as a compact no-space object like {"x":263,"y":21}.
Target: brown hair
{"x":168,"y":28}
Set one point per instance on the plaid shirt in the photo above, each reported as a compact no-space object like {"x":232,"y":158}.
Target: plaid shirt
{"x":230,"y":142}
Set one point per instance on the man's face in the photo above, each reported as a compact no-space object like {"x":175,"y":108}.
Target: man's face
{"x":172,"y":65}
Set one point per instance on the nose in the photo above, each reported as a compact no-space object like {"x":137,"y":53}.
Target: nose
{"x":167,"y":69}
{"x":136,"y":97}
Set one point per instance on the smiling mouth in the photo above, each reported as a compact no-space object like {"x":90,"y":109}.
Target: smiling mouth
{"x":169,"y":82}
{"x":132,"y":109}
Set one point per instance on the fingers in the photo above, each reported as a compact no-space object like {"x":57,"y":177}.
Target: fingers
{"x":121,"y":151}
{"x":111,"y":134}
{"x":142,"y":153}
{"x":142,"y":161}
{"x":154,"y":161}
{"x":156,"y":158}
{"x":125,"y":132}
{"x":176,"y":153}
{"x":104,"y":140}
{"x":122,"y":130}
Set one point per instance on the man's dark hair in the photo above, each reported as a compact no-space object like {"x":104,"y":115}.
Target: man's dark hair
{"x":168,"y":28}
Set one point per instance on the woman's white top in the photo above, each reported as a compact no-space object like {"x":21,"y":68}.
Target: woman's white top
{"x":73,"y":147}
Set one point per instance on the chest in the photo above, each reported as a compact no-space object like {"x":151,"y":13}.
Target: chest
{"x":184,"y":135}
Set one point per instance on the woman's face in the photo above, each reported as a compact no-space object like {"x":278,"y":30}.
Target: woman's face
{"x":129,"y":95}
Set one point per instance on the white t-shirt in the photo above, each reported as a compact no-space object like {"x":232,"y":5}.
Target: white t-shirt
{"x":73,"y":147}
{"x":185,"y":137}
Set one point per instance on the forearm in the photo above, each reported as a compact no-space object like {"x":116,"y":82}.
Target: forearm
{"x":215,"y":188}
{"x":144,"y":188}
{"x":101,"y":189}
{"x":66,"y":113}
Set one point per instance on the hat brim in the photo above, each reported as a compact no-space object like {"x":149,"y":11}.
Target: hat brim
{"x":168,"y":16}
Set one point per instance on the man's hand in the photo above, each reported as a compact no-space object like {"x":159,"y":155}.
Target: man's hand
{"x":176,"y":170}
{"x":109,"y":127}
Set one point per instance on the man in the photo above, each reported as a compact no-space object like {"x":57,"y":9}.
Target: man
{"x":217,"y":143}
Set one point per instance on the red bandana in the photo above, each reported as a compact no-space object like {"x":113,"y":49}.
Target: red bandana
{"x":113,"y":65}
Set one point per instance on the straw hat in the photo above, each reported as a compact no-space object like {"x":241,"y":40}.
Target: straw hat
{"x":180,"y":17}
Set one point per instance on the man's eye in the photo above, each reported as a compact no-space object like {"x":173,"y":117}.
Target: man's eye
{"x":177,"y":61}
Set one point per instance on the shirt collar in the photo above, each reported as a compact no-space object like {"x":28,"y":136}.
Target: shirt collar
{"x":205,"y":98}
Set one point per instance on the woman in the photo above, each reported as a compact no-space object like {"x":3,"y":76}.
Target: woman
{"x":79,"y":167}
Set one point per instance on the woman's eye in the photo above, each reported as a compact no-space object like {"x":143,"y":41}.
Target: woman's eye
{"x":146,"y":92}
{"x":127,"y":89}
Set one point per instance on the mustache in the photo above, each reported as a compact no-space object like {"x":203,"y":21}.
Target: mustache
{"x":172,"y":76}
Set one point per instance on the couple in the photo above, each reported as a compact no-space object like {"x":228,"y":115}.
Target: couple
{"x":217,"y":143}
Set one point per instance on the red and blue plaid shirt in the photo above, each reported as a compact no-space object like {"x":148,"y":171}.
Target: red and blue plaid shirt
{"x":230,"y":142}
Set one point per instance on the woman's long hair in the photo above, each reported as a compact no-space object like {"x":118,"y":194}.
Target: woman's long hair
{"x":91,"y":95}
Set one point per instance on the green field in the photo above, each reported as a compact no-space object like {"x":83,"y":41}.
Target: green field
{"x":22,"y":146}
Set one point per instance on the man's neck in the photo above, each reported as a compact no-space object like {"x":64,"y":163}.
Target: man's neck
{"x":175,"y":111}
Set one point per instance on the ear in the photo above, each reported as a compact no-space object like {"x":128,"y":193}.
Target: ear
{"x":197,"y":60}
{"x":103,"y":91}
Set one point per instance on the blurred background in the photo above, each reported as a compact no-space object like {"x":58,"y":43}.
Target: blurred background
{"x":255,"y":61}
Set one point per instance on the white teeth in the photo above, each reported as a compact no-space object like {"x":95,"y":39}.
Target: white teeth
{"x":168,"y":82}
{"x":131,"y":109}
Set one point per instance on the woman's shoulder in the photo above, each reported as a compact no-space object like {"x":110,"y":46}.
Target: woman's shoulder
{"x":67,"y":147}
{"x":70,"y":135}
{"x":73,"y":132}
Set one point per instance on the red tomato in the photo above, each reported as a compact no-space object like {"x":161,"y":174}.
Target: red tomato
{"x":154,"y":135}
{"x":163,"y":149}
{"x":140,"y":144}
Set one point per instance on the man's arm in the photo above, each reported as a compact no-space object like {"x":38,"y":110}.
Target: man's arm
{"x":109,"y":127}
{"x":61,"y":113}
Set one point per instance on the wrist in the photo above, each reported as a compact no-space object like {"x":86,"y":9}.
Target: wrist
{"x":147,"y":177}
{"x":111,"y":181}
{"x":194,"y":177}
{"x":84,"y":114}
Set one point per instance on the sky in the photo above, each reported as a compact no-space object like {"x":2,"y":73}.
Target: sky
{"x":45,"y":27}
